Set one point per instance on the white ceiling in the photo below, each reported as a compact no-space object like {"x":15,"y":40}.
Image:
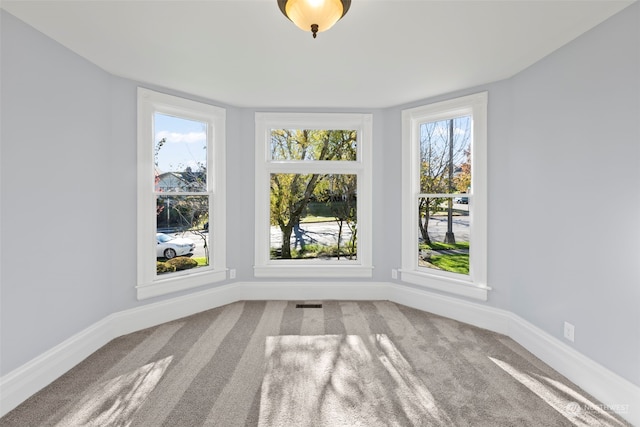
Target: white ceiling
{"x":246,"y":53}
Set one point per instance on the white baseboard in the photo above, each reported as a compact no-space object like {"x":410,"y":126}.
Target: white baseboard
{"x":615,"y":392}
{"x":19,"y":384}
{"x":314,"y":291}
{"x":606,"y":386}
{"x":475,"y":314}
{"x":146,"y":316}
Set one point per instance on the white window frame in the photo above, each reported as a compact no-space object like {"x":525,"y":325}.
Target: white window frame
{"x":473,"y":285}
{"x":149,"y":283}
{"x":265,"y":122}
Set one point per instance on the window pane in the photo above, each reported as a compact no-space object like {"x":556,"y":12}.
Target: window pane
{"x":443,"y":234}
{"x":182,"y":225}
{"x":312,"y":145}
{"x":313,"y":216}
{"x":180,"y":154}
{"x":445,"y":156}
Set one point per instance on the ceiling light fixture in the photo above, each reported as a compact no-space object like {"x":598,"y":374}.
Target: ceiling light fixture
{"x":314,"y":15}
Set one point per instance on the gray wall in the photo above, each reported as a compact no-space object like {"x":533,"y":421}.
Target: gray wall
{"x":574,"y":168}
{"x":554,"y":193}
{"x":55,"y":169}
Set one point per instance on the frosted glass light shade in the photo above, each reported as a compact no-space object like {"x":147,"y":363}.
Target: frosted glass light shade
{"x":314,"y":15}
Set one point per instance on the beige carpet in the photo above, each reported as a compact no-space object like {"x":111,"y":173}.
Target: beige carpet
{"x":342,"y":380}
{"x":349,"y":363}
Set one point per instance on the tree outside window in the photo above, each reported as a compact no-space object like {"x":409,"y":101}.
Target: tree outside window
{"x":445,"y":171}
{"x":300,"y":203}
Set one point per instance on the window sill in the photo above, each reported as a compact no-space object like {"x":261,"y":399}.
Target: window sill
{"x":446,"y":284}
{"x":179,"y":283}
{"x":315,"y":271}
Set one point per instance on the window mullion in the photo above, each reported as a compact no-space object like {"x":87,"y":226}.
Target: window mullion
{"x":443,"y":195}
{"x":315,"y":168}
{"x":183,"y":193}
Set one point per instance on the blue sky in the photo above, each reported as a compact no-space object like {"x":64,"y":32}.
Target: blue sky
{"x":185,"y":146}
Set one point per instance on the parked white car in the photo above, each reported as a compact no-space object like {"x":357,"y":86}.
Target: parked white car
{"x":170,"y":247}
{"x":463,"y":200}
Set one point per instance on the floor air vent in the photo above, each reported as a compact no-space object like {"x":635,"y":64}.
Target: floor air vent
{"x":308,"y":305}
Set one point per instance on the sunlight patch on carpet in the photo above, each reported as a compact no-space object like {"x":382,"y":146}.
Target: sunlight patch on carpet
{"x":573,"y":406}
{"x":114,"y":402}
{"x":342,"y":380}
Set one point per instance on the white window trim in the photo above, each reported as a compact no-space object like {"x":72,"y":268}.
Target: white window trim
{"x":265,"y":122}
{"x":475,"y":284}
{"x":149,"y":283}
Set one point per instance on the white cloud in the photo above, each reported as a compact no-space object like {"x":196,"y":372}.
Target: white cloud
{"x":176,"y":137}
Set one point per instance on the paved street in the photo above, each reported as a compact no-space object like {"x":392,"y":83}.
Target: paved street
{"x":438,"y":228}
{"x":326,"y":233}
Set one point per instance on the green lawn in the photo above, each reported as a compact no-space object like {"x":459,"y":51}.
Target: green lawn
{"x":453,"y":262}
{"x":202,"y":261}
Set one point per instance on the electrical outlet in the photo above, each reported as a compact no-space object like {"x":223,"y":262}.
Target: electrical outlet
{"x":394,"y":273}
{"x":232,"y":273}
{"x":569,"y":331}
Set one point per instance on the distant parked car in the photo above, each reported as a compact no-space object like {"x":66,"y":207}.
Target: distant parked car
{"x":463,"y":200}
{"x":170,"y":247}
